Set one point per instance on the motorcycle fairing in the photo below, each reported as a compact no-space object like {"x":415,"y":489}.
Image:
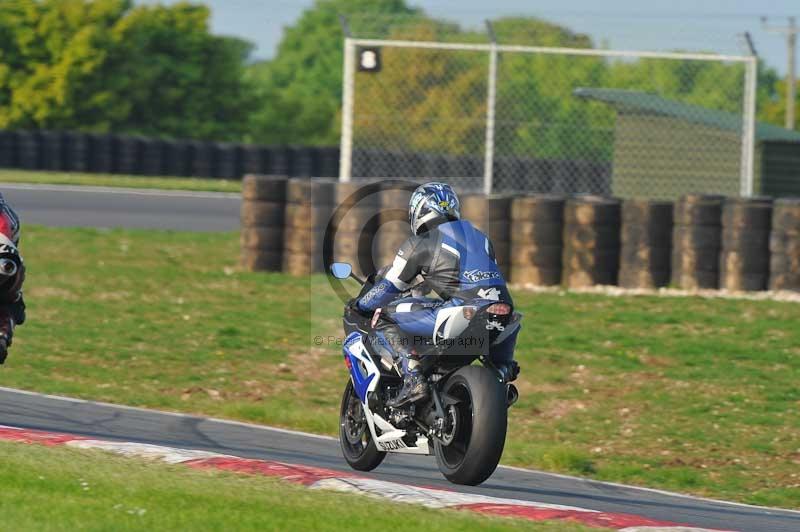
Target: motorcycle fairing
{"x":365,"y":375}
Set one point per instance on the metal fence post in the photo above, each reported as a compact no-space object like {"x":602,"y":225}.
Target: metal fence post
{"x":749,"y":128}
{"x":488,"y":162}
{"x":348,"y":90}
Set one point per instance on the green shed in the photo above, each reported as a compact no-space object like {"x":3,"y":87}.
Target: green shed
{"x":665,"y":149}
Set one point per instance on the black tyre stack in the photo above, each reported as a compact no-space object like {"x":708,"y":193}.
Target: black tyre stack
{"x":101,"y":153}
{"x":177,"y":158}
{"x":308,"y":211}
{"x":254,"y":159}
{"x":784,"y":245}
{"x":8,"y":149}
{"x":29,"y":146}
{"x":537,"y":244}
{"x":76,"y":152}
{"x":591,"y":241}
{"x":355,"y":220}
{"x":646,"y":237}
{"x":227,"y":161}
{"x":153,"y":159}
{"x":279,"y":160}
{"x":303,"y":161}
{"x":52,"y":150}
{"x":394,"y":228}
{"x":492,"y":215}
{"x":128,"y":155}
{"x":328,"y":161}
{"x":201,"y":155}
{"x":697,"y":241}
{"x":744,"y":260}
{"x":263,"y":212}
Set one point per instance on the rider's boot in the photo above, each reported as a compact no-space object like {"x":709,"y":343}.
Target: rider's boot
{"x":415,"y":386}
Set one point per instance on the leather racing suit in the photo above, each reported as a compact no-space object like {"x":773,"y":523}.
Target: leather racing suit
{"x":455,"y":260}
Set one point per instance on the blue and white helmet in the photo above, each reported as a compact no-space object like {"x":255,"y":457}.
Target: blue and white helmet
{"x":431,"y":202}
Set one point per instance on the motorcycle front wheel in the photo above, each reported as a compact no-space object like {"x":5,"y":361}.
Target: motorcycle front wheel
{"x":358,"y":448}
{"x":475,"y":426}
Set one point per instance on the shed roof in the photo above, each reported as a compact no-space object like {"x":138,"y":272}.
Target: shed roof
{"x":643,"y":102}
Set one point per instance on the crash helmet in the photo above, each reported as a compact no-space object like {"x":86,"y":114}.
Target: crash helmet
{"x":432,"y":204}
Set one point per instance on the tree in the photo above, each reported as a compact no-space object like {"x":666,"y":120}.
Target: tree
{"x":300,"y":90}
{"x":104,"y":65}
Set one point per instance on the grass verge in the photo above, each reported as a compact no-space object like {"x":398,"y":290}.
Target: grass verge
{"x":687,"y":394}
{"x":118,"y":180}
{"x":57,"y":488}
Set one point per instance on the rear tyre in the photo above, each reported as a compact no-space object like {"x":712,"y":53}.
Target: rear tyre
{"x":475,"y":426}
{"x":358,"y":448}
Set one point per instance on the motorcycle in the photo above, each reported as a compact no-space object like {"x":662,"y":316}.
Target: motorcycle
{"x":463,"y":421}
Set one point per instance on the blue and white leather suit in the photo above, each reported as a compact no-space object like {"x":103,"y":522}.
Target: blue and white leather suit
{"x":455,"y":260}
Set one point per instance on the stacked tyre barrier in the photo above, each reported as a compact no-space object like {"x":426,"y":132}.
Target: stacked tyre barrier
{"x":784,"y":245}
{"x":744,"y":258}
{"x":263,"y":212}
{"x":127,"y":155}
{"x":101,"y":153}
{"x":355,"y":219}
{"x":29,"y":144}
{"x":309,"y":204}
{"x":107,"y":153}
{"x":537,"y":239}
{"x":697,"y":241}
{"x":52,"y":150}
{"x":76,"y":151}
{"x":646,"y":238}
{"x":8,"y":149}
{"x":394,"y":228}
{"x":591,"y":241}
{"x":178,"y":159}
{"x":153,"y":160}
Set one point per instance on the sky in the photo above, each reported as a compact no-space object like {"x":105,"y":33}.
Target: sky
{"x":696,"y":25}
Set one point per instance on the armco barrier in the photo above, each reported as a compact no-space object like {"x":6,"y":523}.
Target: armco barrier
{"x":705,"y":241}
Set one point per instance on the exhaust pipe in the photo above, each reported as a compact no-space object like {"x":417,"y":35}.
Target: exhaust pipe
{"x":511,"y":395}
{"x":8,"y":268}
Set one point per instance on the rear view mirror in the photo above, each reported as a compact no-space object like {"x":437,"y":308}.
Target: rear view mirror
{"x":341,"y":270}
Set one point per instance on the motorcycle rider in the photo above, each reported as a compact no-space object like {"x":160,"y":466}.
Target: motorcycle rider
{"x":12,"y":276}
{"x":452,"y":258}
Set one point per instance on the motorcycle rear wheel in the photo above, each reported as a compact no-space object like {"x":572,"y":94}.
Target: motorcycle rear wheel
{"x":476,"y":426}
{"x":358,"y":447}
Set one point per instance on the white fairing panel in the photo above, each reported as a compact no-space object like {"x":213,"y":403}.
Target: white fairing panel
{"x":390,"y":439}
{"x":450,"y":323}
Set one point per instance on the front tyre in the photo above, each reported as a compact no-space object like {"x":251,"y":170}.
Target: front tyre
{"x":358,"y":448}
{"x":475,"y":427}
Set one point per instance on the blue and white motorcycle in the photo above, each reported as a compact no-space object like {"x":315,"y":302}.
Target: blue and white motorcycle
{"x":464,"y":420}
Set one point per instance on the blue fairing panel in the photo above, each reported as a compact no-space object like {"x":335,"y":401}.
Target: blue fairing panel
{"x":361,"y":380}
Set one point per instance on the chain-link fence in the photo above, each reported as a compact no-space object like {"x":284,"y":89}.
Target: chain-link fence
{"x":509,"y":118}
